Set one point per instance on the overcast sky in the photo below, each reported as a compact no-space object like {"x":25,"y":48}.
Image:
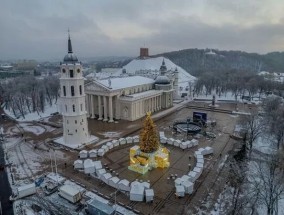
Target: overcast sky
{"x":37,"y":29}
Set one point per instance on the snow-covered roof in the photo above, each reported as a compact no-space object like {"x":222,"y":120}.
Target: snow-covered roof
{"x":26,"y":186}
{"x":69,"y":189}
{"x":124,"y":182}
{"x":140,"y":95}
{"x":126,"y":82}
{"x":88,"y":163}
{"x":154,"y":65}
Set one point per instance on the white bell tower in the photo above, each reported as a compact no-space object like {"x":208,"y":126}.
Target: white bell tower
{"x":72,"y":101}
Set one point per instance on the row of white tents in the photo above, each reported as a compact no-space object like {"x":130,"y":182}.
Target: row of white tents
{"x":108,"y":146}
{"x":184,"y":185}
{"x":136,"y":189}
{"x":178,"y":143}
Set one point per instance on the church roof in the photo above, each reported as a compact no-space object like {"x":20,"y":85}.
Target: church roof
{"x":154,"y":64}
{"x":126,"y":82}
{"x":162,"y":79}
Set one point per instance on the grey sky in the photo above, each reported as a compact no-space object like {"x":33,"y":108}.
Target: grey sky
{"x":38,"y":28}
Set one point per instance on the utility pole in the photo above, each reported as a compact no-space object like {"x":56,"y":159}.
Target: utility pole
{"x":55,"y":167}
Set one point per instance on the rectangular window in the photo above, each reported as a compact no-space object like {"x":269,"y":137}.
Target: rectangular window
{"x":80,"y":88}
{"x":71,"y":73}
{"x":64,"y":91}
{"x":72,"y":91}
{"x":81,"y":107}
{"x":73,"y":108}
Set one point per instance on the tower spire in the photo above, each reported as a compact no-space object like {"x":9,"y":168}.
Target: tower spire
{"x":69,"y":43}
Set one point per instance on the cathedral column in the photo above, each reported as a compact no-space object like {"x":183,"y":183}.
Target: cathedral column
{"x":92,"y":107}
{"x":87,"y":104}
{"x":100,"y":108}
{"x":105,"y":109}
{"x":110,"y":109}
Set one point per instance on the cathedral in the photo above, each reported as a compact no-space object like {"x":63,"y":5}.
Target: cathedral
{"x":129,"y":98}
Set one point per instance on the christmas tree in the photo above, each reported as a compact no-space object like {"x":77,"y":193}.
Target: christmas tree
{"x":149,"y":141}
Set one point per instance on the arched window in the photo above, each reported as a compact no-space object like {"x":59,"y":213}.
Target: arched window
{"x":73,"y":106}
{"x":80,"y":89}
{"x":71,"y":73}
{"x":72,"y":91}
{"x":78,"y":70}
{"x":75,"y":121}
{"x":64,"y":91}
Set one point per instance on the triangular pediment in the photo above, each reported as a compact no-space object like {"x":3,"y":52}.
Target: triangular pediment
{"x":96,"y":87}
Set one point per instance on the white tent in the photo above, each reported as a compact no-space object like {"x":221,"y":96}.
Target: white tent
{"x":109,"y":145}
{"x":189,"y":144}
{"x":113,"y":182}
{"x":98,"y":165}
{"x":200,"y":165}
{"x":194,"y":142}
{"x":198,"y":170}
{"x":146,"y":184}
{"x":100,"y":172}
{"x":208,"y":150}
{"x":93,"y":153}
{"x":196,"y":153}
{"x":183,"y":145}
{"x":105,"y":147}
{"x":163,"y":140}
{"x":122,"y":141}
{"x":193,"y":176}
{"x":83,"y":154}
{"x":170,"y":141}
{"x":129,"y":139}
{"x":101,"y":152}
{"x":149,"y":193}
{"x":162,"y":134}
{"x":200,"y":160}
{"x":78,"y":164}
{"x":137,"y":193}
{"x":136,"y":139}
{"x":185,"y":178}
{"x":124,"y":185}
{"x":135,"y":183}
{"x":105,"y":177}
{"x":188,"y":186}
{"x":177,"y":143}
{"x":178,"y":182}
{"x":180,"y":191}
{"x":115,"y":143}
{"x":89,"y":166}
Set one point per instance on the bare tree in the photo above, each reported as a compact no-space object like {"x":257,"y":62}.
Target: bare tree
{"x":253,"y":126}
{"x":267,"y":181}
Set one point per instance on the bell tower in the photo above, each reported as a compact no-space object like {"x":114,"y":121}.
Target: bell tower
{"x":72,"y":100}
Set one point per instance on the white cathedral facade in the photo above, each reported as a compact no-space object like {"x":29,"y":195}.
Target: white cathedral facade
{"x":129,"y":98}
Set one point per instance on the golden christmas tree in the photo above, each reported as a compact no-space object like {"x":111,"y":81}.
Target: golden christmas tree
{"x":149,"y":141}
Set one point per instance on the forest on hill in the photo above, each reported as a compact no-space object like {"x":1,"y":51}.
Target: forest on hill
{"x":199,"y":61}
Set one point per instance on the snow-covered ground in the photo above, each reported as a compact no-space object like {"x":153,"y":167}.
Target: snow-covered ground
{"x":34,"y":115}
